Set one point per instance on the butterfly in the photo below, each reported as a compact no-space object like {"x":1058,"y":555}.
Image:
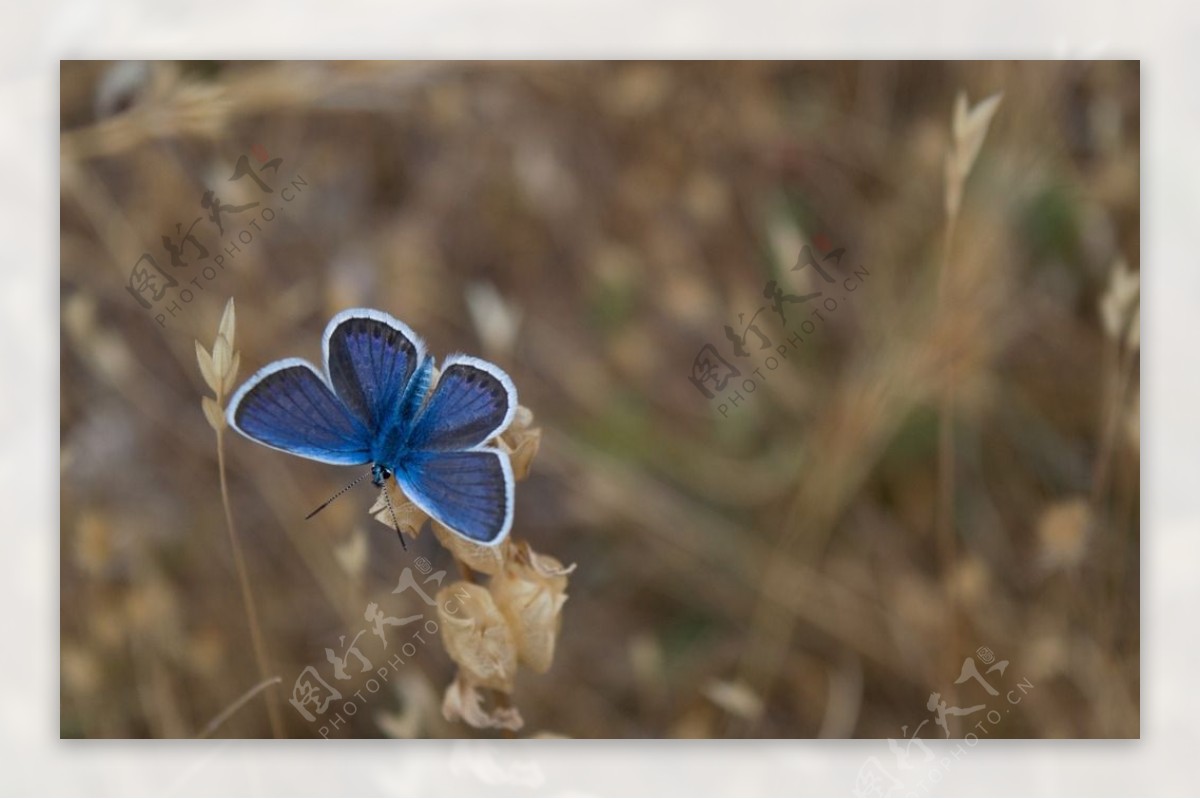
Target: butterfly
{"x":376,"y":402}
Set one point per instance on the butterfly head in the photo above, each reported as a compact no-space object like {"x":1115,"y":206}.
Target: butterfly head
{"x":380,"y":474}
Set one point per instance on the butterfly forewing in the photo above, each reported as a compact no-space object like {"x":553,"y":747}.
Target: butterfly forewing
{"x":472,"y":402}
{"x":370,"y":357}
{"x":290,"y":407}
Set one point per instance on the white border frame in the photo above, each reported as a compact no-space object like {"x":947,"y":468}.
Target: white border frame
{"x":1162,"y":33}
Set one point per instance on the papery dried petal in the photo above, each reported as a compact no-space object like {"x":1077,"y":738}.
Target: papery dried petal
{"x":479,"y":557}
{"x":544,"y":565}
{"x":530,"y":592}
{"x":534,"y":616}
{"x":522,"y":418}
{"x":524,"y":453}
{"x":521,"y":441}
{"x":410,"y":518}
{"x":477,"y":636}
{"x":464,"y":702}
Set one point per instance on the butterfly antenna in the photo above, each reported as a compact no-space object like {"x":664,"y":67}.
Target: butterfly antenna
{"x":325,"y":504}
{"x":387,"y":497}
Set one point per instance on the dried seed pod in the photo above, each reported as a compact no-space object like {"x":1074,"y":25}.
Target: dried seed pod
{"x":464,"y":702}
{"x":530,"y":592}
{"x":480,"y":558}
{"x":476,"y":635}
{"x":410,"y":518}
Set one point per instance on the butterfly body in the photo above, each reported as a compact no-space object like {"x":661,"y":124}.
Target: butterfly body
{"x":378,"y":402}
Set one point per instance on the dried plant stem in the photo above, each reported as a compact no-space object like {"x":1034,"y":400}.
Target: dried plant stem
{"x":224,"y":715}
{"x":945,"y":528}
{"x":1115,"y":401}
{"x":260,"y":650}
{"x":1124,"y":364}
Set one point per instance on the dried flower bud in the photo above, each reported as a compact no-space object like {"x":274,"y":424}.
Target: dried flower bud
{"x":521,"y":441}
{"x":530,"y":592}
{"x":463,"y":701}
{"x":410,"y":518}
{"x":476,"y":635}
{"x":481,"y":558}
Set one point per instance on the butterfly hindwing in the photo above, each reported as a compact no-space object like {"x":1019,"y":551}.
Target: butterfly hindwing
{"x":289,"y":406}
{"x":370,"y":357}
{"x":469,"y":491}
{"x":472,"y":402}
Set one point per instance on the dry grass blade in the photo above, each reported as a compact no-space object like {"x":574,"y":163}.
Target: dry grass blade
{"x":968,"y":128}
{"x":213,"y":413}
{"x":207,"y":370}
{"x":228,"y":322}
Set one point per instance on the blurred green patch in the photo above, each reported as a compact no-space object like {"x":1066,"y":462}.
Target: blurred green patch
{"x":1050,"y":223}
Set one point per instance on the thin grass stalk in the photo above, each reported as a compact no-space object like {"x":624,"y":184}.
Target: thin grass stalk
{"x":260,"y":650}
{"x":945,"y":529}
{"x":237,"y":705}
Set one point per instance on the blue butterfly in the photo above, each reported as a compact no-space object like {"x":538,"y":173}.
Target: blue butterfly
{"x":374,"y":404}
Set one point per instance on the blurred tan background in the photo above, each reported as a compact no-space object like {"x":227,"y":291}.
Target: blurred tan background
{"x":772,"y":572}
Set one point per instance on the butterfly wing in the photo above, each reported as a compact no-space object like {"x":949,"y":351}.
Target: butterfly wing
{"x":288,"y":406}
{"x":472,"y":402}
{"x":370,"y":357}
{"x":447,"y":471}
{"x":469,"y":491}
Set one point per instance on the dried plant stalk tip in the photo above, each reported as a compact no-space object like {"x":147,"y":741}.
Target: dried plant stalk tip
{"x":228,"y":322}
{"x":207,"y":371}
{"x":222,"y":356}
{"x":968,"y":128}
